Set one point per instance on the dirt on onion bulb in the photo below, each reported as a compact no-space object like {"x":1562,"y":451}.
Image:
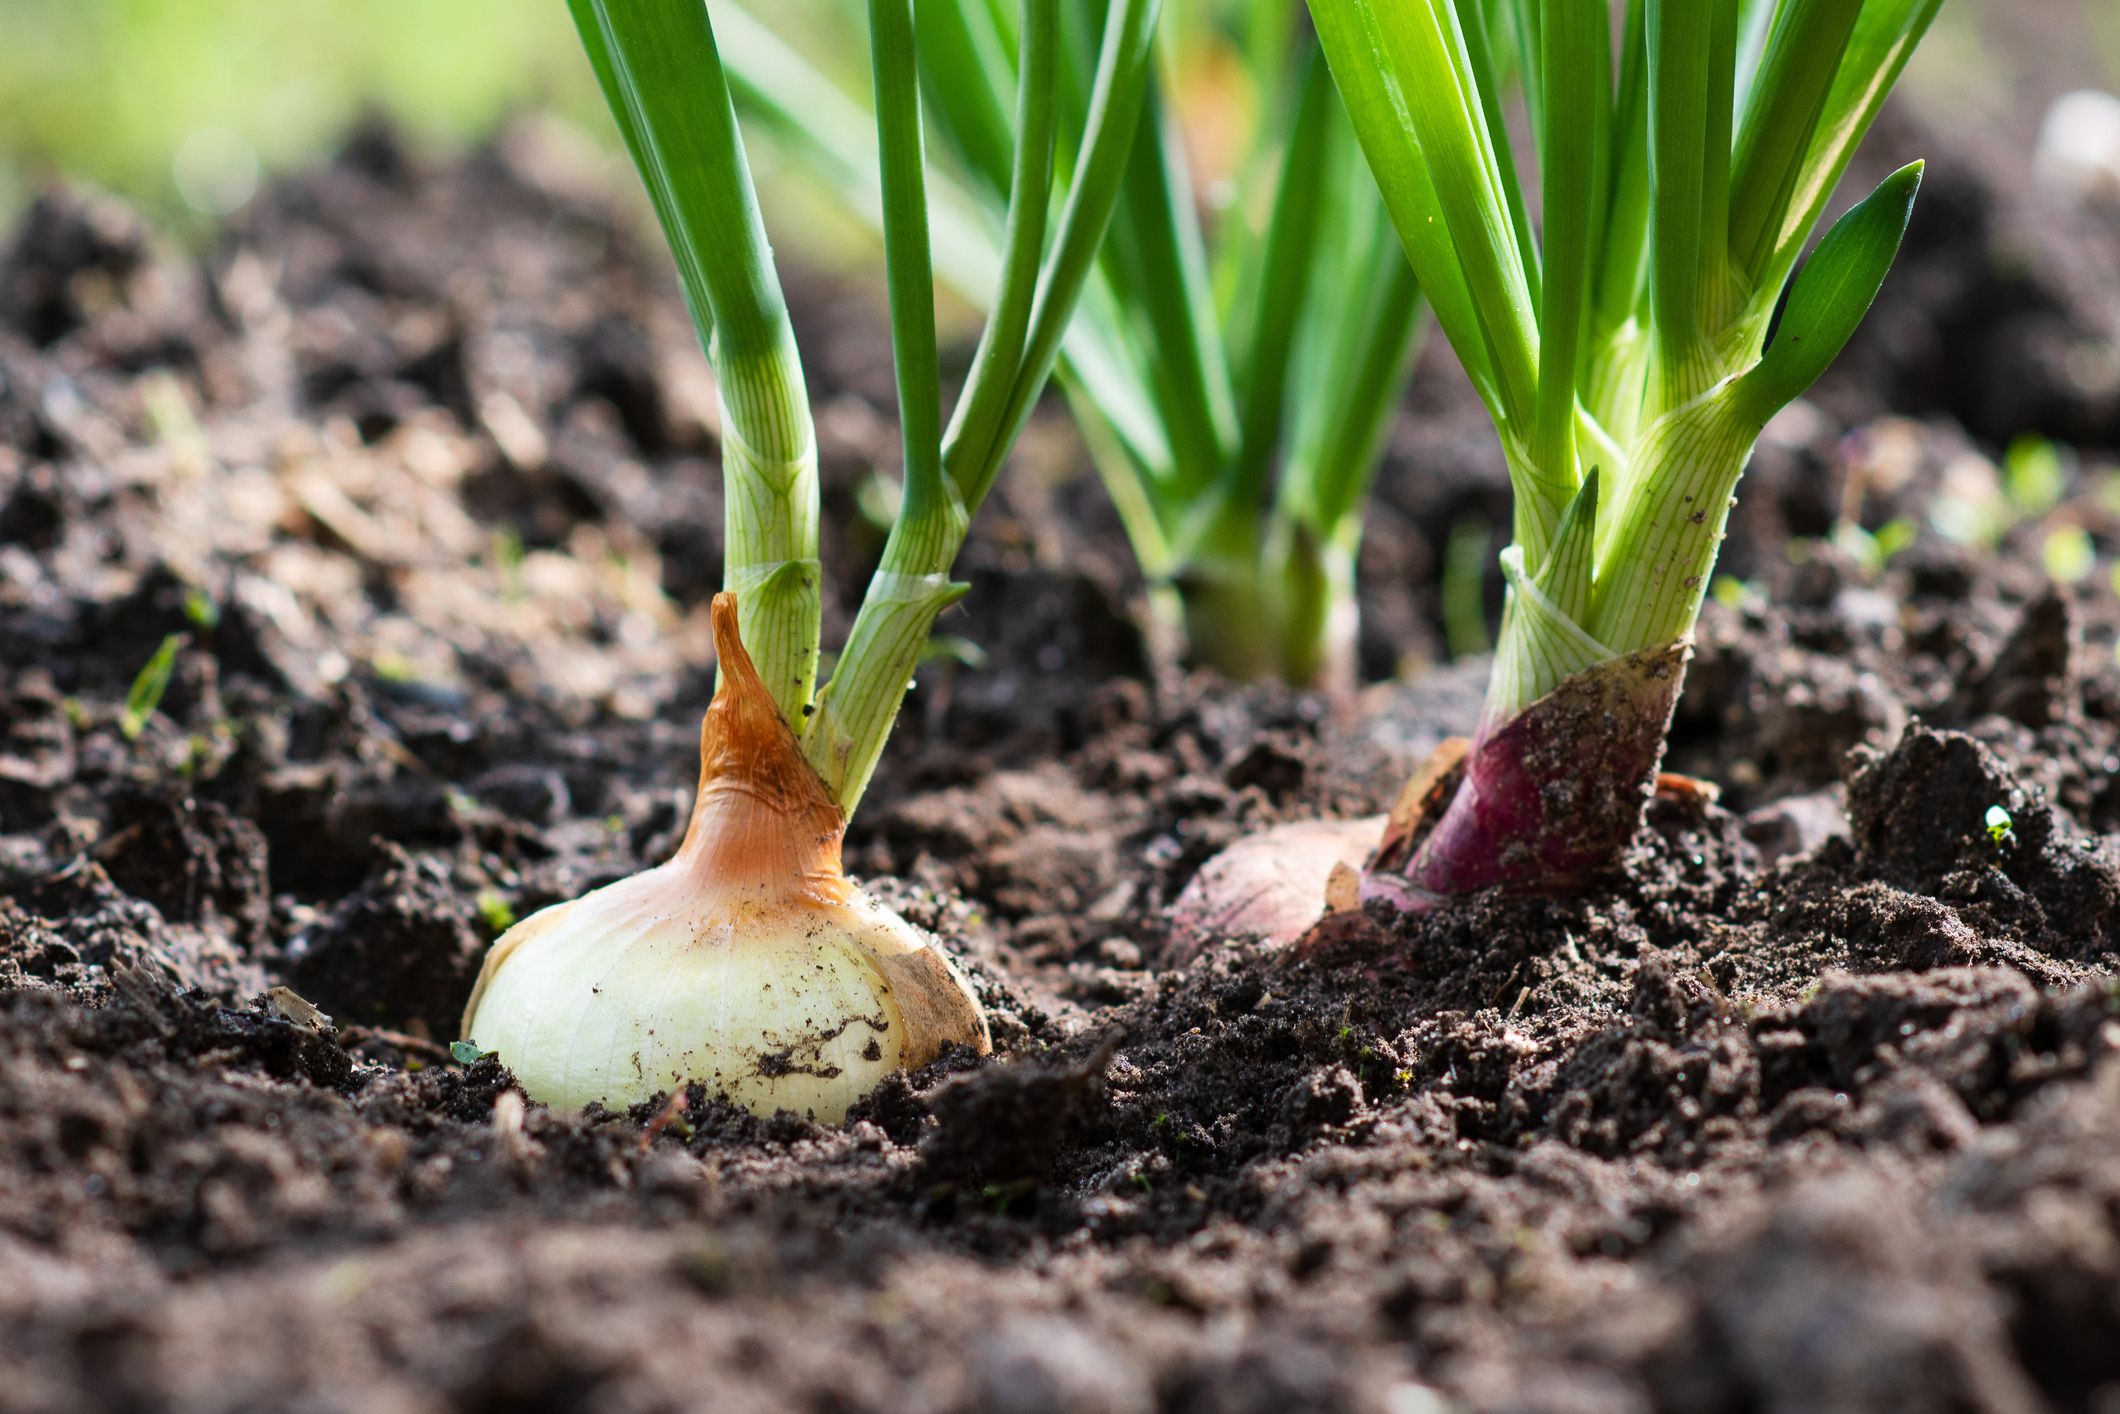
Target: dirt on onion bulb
{"x":748,"y":963}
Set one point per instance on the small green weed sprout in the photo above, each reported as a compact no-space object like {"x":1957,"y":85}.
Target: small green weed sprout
{"x":144,"y":698}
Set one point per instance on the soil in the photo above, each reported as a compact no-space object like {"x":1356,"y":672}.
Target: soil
{"x":1816,"y":1108}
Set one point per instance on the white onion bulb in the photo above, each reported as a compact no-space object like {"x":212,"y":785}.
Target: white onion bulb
{"x":748,"y":963}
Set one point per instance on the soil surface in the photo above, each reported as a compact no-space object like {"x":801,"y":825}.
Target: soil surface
{"x":1816,"y":1108}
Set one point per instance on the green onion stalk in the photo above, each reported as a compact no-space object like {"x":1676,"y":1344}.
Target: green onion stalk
{"x":1629,"y":353}
{"x":748,"y":963}
{"x":1232,"y":374}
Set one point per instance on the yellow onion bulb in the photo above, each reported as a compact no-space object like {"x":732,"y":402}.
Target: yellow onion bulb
{"x":748,"y":963}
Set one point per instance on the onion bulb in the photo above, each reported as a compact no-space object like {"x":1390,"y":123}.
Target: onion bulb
{"x":748,"y":963}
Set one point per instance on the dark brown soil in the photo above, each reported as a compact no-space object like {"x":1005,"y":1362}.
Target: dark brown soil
{"x":1817,"y":1109}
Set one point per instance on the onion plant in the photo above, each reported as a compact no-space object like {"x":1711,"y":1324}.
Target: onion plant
{"x":1232,"y":373}
{"x":748,"y":963}
{"x":1629,"y":351}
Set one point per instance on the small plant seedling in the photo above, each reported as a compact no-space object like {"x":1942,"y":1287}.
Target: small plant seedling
{"x":507,"y":557}
{"x":496,"y":913}
{"x":2068,"y":555}
{"x":395,"y":668}
{"x":1733,"y":593}
{"x":1000,"y":1197}
{"x":2001,"y":829}
{"x":2033,"y":475}
{"x":1873,"y":550}
{"x":144,"y":698}
{"x":201,"y":610}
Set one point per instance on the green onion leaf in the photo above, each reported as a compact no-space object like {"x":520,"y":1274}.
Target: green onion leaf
{"x":661,"y":72}
{"x":907,"y":262}
{"x":969,"y":451}
{"x":1803,"y":53}
{"x":1831,"y":295}
{"x":1408,"y":85}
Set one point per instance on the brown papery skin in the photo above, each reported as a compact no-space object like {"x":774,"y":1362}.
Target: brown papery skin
{"x":1545,"y":802}
{"x":764,"y":819}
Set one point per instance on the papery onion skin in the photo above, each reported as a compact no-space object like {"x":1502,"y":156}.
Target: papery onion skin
{"x":1270,"y":887}
{"x":747,"y":964}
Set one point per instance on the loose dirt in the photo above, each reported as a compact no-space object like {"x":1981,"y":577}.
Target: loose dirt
{"x":1816,"y":1108}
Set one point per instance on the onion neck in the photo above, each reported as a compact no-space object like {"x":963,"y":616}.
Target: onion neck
{"x":763,"y":821}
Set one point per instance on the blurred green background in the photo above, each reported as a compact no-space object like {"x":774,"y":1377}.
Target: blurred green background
{"x":185,"y":105}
